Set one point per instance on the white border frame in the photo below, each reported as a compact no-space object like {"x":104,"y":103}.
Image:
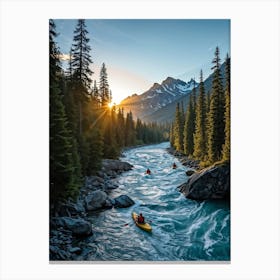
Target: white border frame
{"x":255,"y":138}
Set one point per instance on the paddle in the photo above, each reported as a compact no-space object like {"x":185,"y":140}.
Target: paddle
{"x":127,"y":224}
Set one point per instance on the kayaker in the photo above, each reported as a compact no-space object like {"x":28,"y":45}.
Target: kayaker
{"x":141,"y":219}
{"x":174,"y":165}
{"x":148,"y":171}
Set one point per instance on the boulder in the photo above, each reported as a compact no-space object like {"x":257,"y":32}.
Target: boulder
{"x":190,"y":172}
{"x":70,"y":209}
{"x":77,"y":226}
{"x":210,"y":183}
{"x":95,"y":200}
{"x":111,"y":165}
{"x":110,"y":186}
{"x":123,"y":201}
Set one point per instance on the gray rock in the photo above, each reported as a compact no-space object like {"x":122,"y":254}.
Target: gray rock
{"x":190,"y":172}
{"x":70,"y":209}
{"x":109,"y":203}
{"x":123,"y":201}
{"x":118,"y":166}
{"x":77,"y":226}
{"x":95,"y":200}
{"x":110,"y":186}
{"x":210,"y":183}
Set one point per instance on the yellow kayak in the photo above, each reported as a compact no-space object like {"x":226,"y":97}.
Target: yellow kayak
{"x":144,"y":226}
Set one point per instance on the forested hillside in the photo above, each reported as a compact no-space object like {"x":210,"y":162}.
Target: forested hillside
{"x":84,"y":126}
{"x":203,"y":131}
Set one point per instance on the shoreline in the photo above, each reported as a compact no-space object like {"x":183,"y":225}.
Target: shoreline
{"x":185,"y":161}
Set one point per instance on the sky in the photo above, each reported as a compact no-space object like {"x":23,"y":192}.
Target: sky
{"x":139,"y":53}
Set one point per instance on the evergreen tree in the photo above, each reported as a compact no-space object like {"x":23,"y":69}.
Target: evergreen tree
{"x":194,"y":98}
{"x":120,"y":131}
{"x":216,"y":114}
{"x":104,"y":87}
{"x":111,"y":148}
{"x":63,"y":174}
{"x":69,"y":71}
{"x":140,"y":130}
{"x":95,"y":95}
{"x":178,"y":129}
{"x":95,"y":141}
{"x":226,"y":147}
{"x":200,"y":125}
{"x":130,"y":135}
{"x":81,"y":55}
{"x":81,"y":81}
{"x":189,"y":127}
{"x":171,"y":136}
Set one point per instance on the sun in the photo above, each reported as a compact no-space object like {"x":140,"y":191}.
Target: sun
{"x":110,"y":105}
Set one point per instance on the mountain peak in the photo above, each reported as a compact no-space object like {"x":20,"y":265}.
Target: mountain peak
{"x":155,"y":86}
{"x":168,"y":80}
{"x":156,"y":97}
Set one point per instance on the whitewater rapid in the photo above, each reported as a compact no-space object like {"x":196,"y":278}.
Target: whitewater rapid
{"x":183,"y":229}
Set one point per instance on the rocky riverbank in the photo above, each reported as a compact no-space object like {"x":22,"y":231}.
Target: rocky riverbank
{"x":192,"y":164}
{"x":69,"y":221}
{"x":211,"y":183}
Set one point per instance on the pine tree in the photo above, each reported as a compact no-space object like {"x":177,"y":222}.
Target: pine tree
{"x":120,"y":131}
{"x":178,"y":129}
{"x":81,"y":55}
{"x":80,"y":88}
{"x":139,"y":130}
{"x":104,"y":87}
{"x":95,"y":95}
{"x":130,"y":134}
{"x":63,"y":175}
{"x":95,"y":141}
{"x":200,"y":125}
{"x":111,"y":148}
{"x":171,"y":136}
{"x":69,"y":71}
{"x":226,"y":147}
{"x":194,"y":98}
{"x":189,"y":127}
{"x":216,"y":123}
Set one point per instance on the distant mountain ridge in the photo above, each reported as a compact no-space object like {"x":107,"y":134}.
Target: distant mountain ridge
{"x":157,"y":97}
{"x":167,"y":113}
{"x":159,"y":102}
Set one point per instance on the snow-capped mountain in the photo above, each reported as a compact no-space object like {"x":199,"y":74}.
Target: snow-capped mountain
{"x":157,"y":97}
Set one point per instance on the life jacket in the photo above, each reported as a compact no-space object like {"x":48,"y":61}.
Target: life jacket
{"x":141,"y":219}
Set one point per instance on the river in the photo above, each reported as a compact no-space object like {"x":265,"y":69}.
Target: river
{"x":183,"y":229}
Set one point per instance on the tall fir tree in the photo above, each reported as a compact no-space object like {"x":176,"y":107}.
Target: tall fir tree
{"x":178,"y":129}
{"x":171,"y":135}
{"x":130,"y":133}
{"x":200,"y":125}
{"x":216,"y":122}
{"x":104,"y":90}
{"x":64,"y":175}
{"x":81,"y":56}
{"x":120,"y":129}
{"x":226,"y":147}
{"x":95,"y":95}
{"x":81,"y":71}
{"x":111,"y":148}
{"x":189,"y":127}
